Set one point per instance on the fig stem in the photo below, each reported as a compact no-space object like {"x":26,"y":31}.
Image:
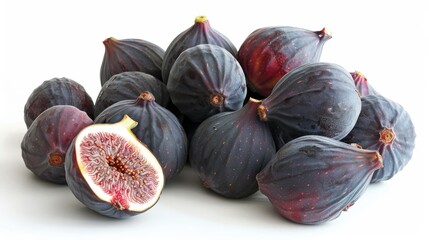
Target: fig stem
{"x":200,"y":19}
{"x":262,"y":113}
{"x":147,"y":96}
{"x":127,"y":122}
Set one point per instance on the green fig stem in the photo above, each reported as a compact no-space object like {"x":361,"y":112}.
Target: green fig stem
{"x":127,"y":122}
{"x":200,"y":19}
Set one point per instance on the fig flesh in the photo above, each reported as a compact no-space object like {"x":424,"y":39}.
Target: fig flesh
{"x":46,"y":141}
{"x":123,"y":55}
{"x":57,"y":91}
{"x":111,"y":172}
{"x":312,"y":179}
{"x":385,"y":126}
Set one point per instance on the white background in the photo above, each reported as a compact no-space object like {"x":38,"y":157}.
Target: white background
{"x":39,"y":40}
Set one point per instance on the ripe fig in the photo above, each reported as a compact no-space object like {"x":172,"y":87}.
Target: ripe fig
{"x":385,"y":126}
{"x":46,"y":141}
{"x":229,"y":149}
{"x":111,"y":172}
{"x":130,"y":55}
{"x":199,"y":33}
{"x":312,"y":179}
{"x":157,"y":128}
{"x":205,"y":80}
{"x":128,"y":86}
{"x":57,"y":91}
{"x":362,"y":84}
{"x":268,"y":53}
{"x":314,"y":99}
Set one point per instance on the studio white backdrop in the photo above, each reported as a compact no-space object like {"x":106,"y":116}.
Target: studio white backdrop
{"x":39,"y":40}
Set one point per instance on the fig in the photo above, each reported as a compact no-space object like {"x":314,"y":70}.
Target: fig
{"x":128,"y":86}
{"x":229,"y":149}
{"x":312,"y":179}
{"x":124,"y":55}
{"x":385,"y":126}
{"x":268,"y":53}
{"x":111,"y":172}
{"x":57,"y":91}
{"x":199,"y":33}
{"x":314,"y":99}
{"x":46,"y":141}
{"x":157,"y":128}
{"x":362,"y":84}
{"x":205,"y":80}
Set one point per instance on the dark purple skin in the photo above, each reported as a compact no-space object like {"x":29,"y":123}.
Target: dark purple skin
{"x":385,"y":126}
{"x":46,"y":142}
{"x":199,"y":33}
{"x":128,"y":86}
{"x":362,"y":84}
{"x":157,"y":128}
{"x":205,"y":80}
{"x":57,"y":91}
{"x":130,"y":55}
{"x":229,"y":149}
{"x":314,"y":99}
{"x":267,"y":54}
{"x":312,"y":179}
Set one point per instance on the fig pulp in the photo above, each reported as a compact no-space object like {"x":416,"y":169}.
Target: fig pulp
{"x":130,"y":55}
{"x":362,"y":84}
{"x":385,"y":126}
{"x":229,"y":149}
{"x":57,"y":91}
{"x":312,"y":179}
{"x":205,"y":80}
{"x":46,"y":141}
{"x":199,"y":33}
{"x":157,"y":128}
{"x":111,"y":172}
{"x":314,"y":99}
{"x":267,"y":54}
{"x":128,"y":86}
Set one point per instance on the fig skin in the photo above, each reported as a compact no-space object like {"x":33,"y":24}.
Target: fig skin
{"x":124,"y":55}
{"x":128,"y":86}
{"x":157,"y":128}
{"x":314,"y":99}
{"x":199,"y":33}
{"x":362,"y":84}
{"x":57,"y":91}
{"x":82,"y":190}
{"x":229,"y":149}
{"x":312,"y":179}
{"x":205,"y":80}
{"x":385,"y":126}
{"x":47,"y":139}
{"x":268,"y":53}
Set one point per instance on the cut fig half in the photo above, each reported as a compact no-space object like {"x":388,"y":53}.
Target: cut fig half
{"x":110,"y":171}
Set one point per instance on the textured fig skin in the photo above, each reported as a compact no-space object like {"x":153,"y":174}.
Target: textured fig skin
{"x":267,"y":54}
{"x":82,"y":191}
{"x":157,"y":128}
{"x":381,"y":114}
{"x":206,"y":80}
{"x":362,"y":84}
{"x":229,"y":149}
{"x":128,"y":86}
{"x":47,"y":139}
{"x":312,"y":179}
{"x":57,"y":91}
{"x":130,"y":55}
{"x":314,"y":99}
{"x":199,"y":33}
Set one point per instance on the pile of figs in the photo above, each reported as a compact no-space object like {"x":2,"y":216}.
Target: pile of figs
{"x":269,"y":116}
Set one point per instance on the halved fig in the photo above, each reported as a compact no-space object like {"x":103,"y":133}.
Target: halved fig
{"x":110,"y":171}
